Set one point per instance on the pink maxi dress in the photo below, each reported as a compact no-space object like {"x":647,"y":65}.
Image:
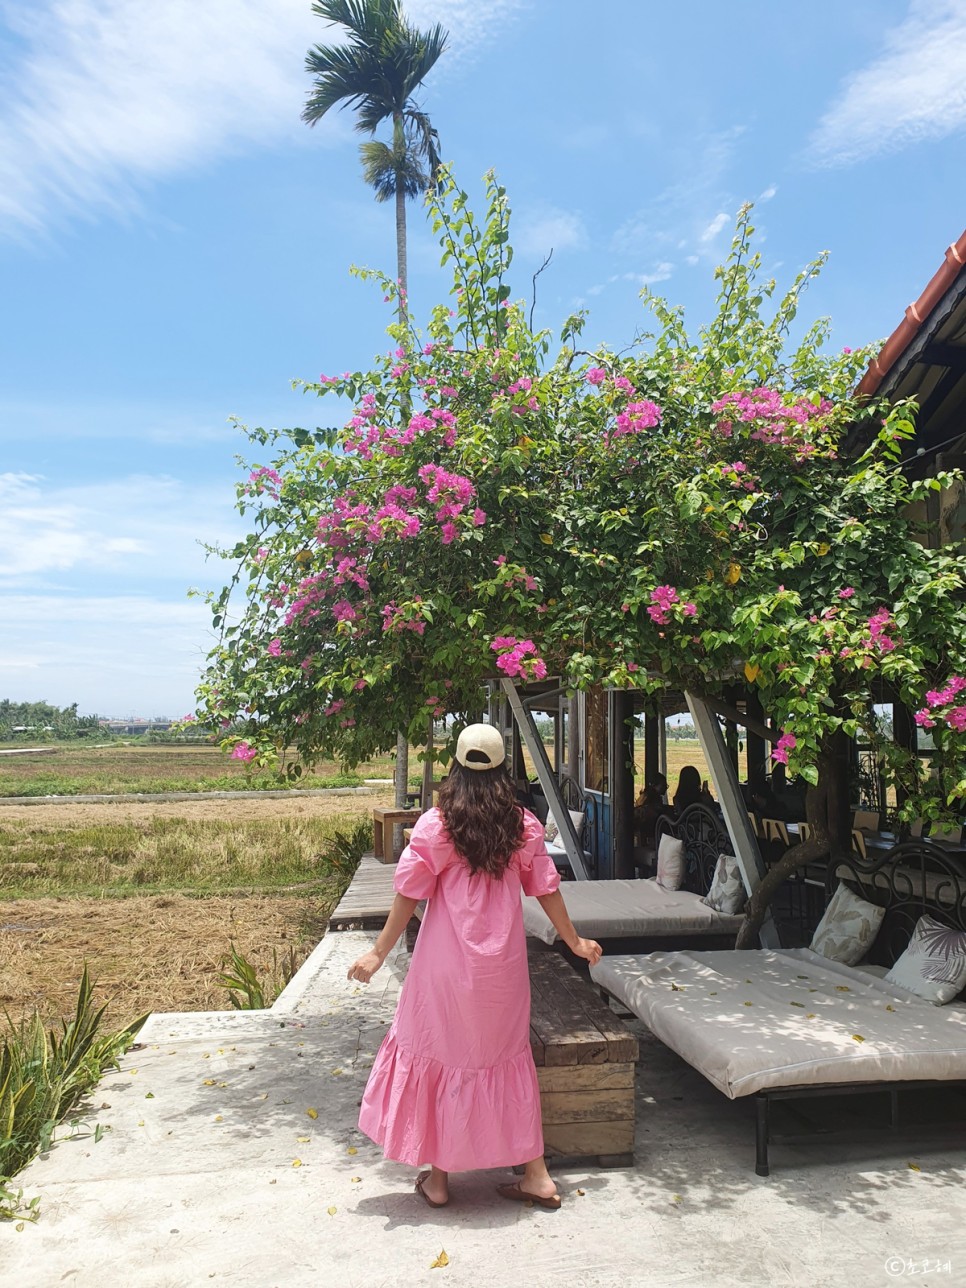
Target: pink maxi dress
{"x":454,"y":1084}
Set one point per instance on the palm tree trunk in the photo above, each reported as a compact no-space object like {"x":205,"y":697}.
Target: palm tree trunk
{"x":402,"y":281}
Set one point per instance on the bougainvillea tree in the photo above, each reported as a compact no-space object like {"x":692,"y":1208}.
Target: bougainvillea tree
{"x":690,"y":513}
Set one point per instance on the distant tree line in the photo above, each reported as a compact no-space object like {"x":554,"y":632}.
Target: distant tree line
{"x":42,"y":720}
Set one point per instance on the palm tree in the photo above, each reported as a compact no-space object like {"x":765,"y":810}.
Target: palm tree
{"x":377,"y":71}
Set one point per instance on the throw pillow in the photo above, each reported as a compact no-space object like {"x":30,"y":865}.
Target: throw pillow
{"x":847,"y":929}
{"x":727,"y":892}
{"x":577,"y":818}
{"x":670,"y":863}
{"x":934,"y":964}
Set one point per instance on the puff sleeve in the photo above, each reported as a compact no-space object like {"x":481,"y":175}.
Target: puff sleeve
{"x":537,"y":873}
{"x":420,"y":862}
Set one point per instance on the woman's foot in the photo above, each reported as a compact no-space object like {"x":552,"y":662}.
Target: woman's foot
{"x":518,"y":1194}
{"x":434,"y":1187}
{"x":536,"y":1185}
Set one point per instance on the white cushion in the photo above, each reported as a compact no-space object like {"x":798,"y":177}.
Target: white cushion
{"x":934,"y":964}
{"x":613,"y":909}
{"x":848,"y":927}
{"x":727,"y":892}
{"x":551,"y":831}
{"x":670,"y":863}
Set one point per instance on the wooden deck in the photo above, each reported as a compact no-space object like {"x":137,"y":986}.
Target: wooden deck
{"x":366,"y":903}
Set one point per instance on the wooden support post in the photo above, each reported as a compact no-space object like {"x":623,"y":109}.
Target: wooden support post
{"x":546,"y":778}
{"x":732,"y":807}
{"x":622,"y":782}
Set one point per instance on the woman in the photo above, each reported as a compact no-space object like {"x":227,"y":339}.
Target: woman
{"x":454,"y":1084}
{"x":690,"y":790}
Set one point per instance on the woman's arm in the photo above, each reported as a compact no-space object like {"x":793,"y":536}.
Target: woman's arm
{"x":555,"y":908}
{"x":367,"y":965}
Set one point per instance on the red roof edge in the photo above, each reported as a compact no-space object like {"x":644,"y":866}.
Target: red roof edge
{"x":916,"y":314}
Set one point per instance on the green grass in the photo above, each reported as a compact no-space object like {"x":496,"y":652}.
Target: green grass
{"x":209,"y":856}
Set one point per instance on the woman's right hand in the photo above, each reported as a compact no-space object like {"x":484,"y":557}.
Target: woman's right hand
{"x":365,"y":967}
{"x":589,"y":949}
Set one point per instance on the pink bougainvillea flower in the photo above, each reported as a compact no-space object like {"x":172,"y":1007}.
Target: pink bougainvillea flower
{"x":846,"y":592}
{"x":596,"y":376}
{"x":275,"y":648}
{"x":242,"y":751}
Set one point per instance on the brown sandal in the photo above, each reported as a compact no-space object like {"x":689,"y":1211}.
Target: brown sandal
{"x":516,"y":1195}
{"x":421,"y":1180}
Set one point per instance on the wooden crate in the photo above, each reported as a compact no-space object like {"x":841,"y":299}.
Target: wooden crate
{"x":586,"y":1060}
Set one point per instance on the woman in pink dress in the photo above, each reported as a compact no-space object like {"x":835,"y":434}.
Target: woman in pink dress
{"x":454,"y":1084}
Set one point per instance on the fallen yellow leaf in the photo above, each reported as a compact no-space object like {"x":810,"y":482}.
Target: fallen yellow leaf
{"x":441,"y":1260}
{"x":676,"y":1198}
{"x":914,"y":1167}
{"x":296,"y":1162}
{"x":218,"y":1118}
{"x":842,"y":988}
{"x":355,"y":1179}
{"x":581,"y":1193}
{"x":892,"y":1009}
{"x":312,"y":1113}
{"x":302,"y":1140}
{"x":747,"y":1003}
{"x":352,"y":1150}
{"x":810,"y":1015}
{"x":857,"y":1037}
{"x":332,"y":1210}
{"x":208,"y":1082}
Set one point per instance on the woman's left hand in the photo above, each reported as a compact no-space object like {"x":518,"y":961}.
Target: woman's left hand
{"x":366,"y":966}
{"x":589,"y":949}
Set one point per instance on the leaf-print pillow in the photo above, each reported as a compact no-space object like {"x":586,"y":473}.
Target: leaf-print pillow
{"x":727,"y":893}
{"x":847,"y":929}
{"x":934,"y":964}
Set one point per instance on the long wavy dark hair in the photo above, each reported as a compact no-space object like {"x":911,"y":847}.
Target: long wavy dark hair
{"x":483,"y":818}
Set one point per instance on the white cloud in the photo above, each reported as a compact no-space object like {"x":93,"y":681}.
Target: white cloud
{"x":715,"y":227}
{"x":113,"y":656}
{"x":109,"y":95}
{"x":914,"y":91}
{"x":137,"y":527}
{"x":769,"y":192}
{"x":686,"y":216}
{"x":538,"y":232}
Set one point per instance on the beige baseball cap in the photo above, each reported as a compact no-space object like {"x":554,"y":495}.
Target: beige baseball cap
{"x":480,"y":746}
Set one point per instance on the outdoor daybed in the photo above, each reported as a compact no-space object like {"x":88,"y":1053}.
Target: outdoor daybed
{"x":793,"y":1023}
{"x":639,"y":915}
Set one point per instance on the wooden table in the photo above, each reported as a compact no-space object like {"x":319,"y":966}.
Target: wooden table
{"x":586,"y":1060}
{"x":383,"y":822}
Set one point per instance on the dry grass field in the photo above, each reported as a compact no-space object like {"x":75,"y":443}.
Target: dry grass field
{"x":155,"y":915}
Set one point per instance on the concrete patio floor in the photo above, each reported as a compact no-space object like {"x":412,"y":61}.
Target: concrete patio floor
{"x":214,"y":1171}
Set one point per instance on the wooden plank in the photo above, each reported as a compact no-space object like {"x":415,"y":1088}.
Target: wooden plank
{"x":587,"y":1107}
{"x":569,"y":1019}
{"x":560,"y":1022}
{"x":588,"y":1140}
{"x":583,"y":1077}
{"x":367,"y":900}
{"x":621,"y":1043}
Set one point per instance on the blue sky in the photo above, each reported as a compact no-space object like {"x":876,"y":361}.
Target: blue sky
{"x":175,"y":246}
